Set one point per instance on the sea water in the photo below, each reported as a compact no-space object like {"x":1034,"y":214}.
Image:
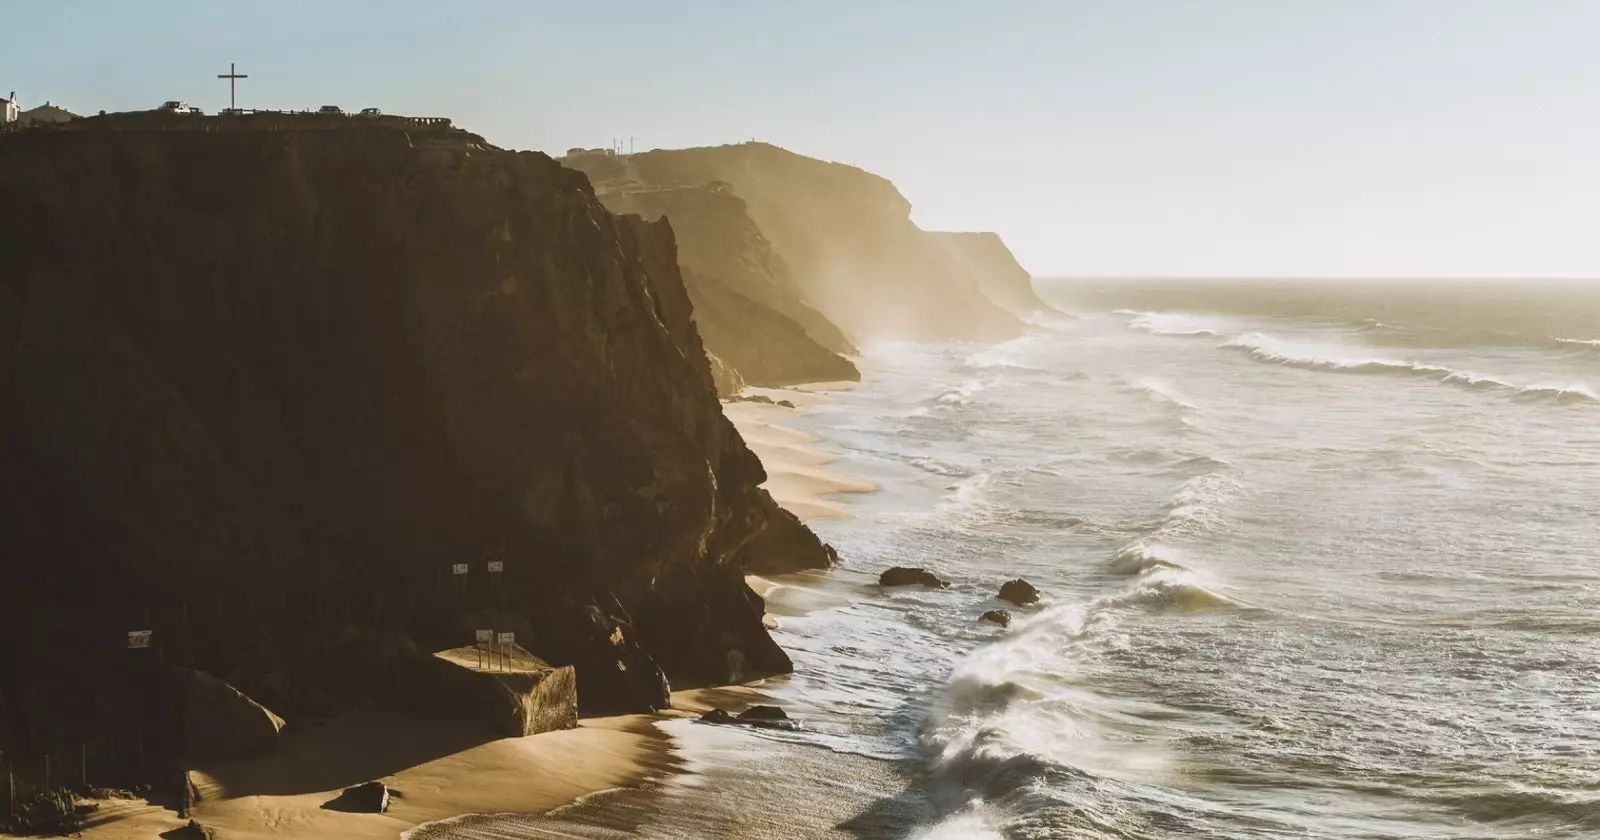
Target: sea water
{"x":1319,"y":559}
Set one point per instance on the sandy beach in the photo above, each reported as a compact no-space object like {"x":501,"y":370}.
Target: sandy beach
{"x":796,"y":469}
{"x":437,"y":771}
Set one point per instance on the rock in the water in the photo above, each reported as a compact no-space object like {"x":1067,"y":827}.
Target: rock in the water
{"x":763,"y":713}
{"x":903,"y":576}
{"x":786,"y":403}
{"x":220,"y":722}
{"x":717,"y":716}
{"x":1000,"y":617}
{"x":1019,"y":592}
{"x":368,"y":798}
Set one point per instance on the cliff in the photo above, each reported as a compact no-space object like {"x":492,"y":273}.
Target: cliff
{"x":992,"y":264}
{"x":745,"y":303}
{"x":846,"y":235}
{"x":260,"y":390}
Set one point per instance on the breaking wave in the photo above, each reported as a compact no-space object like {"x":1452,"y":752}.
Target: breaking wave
{"x":1006,"y":355}
{"x":1140,"y":557}
{"x":962,"y":394}
{"x":1165,"y":392}
{"x":1342,"y":359}
{"x":1175,"y":323}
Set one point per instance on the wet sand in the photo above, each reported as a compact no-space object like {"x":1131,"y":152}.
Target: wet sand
{"x":796,"y":473}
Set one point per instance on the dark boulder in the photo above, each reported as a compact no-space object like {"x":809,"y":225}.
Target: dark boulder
{"x":785,"y":403}
{"x":903,"y":576}
{"x":1000,"y":617}
{"x":367,"y":798}
{"x":1019,"y":592}
{"x":763,"y":713}
{"x":192,"y":831}
{"x":717,"y":716}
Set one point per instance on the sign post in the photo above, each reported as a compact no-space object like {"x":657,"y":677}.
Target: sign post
{"x":496,"y":567}
{"x":495,"y":560}
{"x":485,"y":638}
{"x":506,"y":640}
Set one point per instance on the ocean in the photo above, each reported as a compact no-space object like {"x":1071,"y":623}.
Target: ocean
{"x":1321,"y":559}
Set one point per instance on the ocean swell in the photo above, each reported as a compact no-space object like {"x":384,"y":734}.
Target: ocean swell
{"x":1342,"y":359}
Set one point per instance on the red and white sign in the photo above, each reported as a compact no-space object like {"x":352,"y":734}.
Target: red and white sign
{"x":139,"y":638}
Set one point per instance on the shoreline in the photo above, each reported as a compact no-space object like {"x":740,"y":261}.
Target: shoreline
{"x":797,"y":476}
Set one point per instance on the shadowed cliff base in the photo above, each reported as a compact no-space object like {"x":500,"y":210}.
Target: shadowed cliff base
{"x":263,"y":389}
{"x":845,"y":235}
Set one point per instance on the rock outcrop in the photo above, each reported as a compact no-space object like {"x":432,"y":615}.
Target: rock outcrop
{"x":365,"y":798}
{"x":846,"y":237}
{"x":1019,"y":592}
{"x":258,"y":387}
{"x":903,"y":576}
{"x":745,"y":303}
{"x":1000,"y":617}
{"x":992,"y":264}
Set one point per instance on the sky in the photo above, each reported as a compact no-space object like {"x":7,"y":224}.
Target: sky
{"x":1278,"y":138}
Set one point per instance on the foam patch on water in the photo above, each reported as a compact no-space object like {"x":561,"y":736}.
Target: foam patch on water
{"x":1177,"y":323}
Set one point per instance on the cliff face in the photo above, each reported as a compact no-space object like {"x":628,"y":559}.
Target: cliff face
{"x":745,"y":303}
{"x":847,"y":236}
{"x":258,"y":392}
{"x":995,"y":268}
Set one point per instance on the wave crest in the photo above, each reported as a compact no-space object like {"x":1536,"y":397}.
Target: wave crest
{"x":1337,"y":359}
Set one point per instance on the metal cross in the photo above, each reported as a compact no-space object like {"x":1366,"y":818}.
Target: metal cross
{"x":233,"y":76}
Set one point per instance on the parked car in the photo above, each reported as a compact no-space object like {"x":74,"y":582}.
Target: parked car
{"x":330,"y":109}
{"x":176,"y":107}
{"x":371,"y":112}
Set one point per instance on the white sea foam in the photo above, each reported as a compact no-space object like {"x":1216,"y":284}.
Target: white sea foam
{"x":1178,"y":323}
{"x":962,"y":393}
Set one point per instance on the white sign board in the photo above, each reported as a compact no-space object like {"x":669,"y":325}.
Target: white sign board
{"x":497,"y":565}
{"x":507,"y":638}
{"x":485,"y":635}
{"x":139,"y":638}
{"x":459,"y":568}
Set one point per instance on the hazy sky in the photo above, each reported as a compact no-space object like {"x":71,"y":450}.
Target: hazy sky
{"x":1116,"y":137}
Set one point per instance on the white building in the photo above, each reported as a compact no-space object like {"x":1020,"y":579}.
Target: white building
{"x":8,"y":109}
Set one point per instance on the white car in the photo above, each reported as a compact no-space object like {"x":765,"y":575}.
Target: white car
{"x":176,"y":107}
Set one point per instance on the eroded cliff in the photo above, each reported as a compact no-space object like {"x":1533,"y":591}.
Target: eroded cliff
{"x":745,"y":303}
{"x":1002,"y":279}
{"x":847,"y":237}
{"x":262,"y":389}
